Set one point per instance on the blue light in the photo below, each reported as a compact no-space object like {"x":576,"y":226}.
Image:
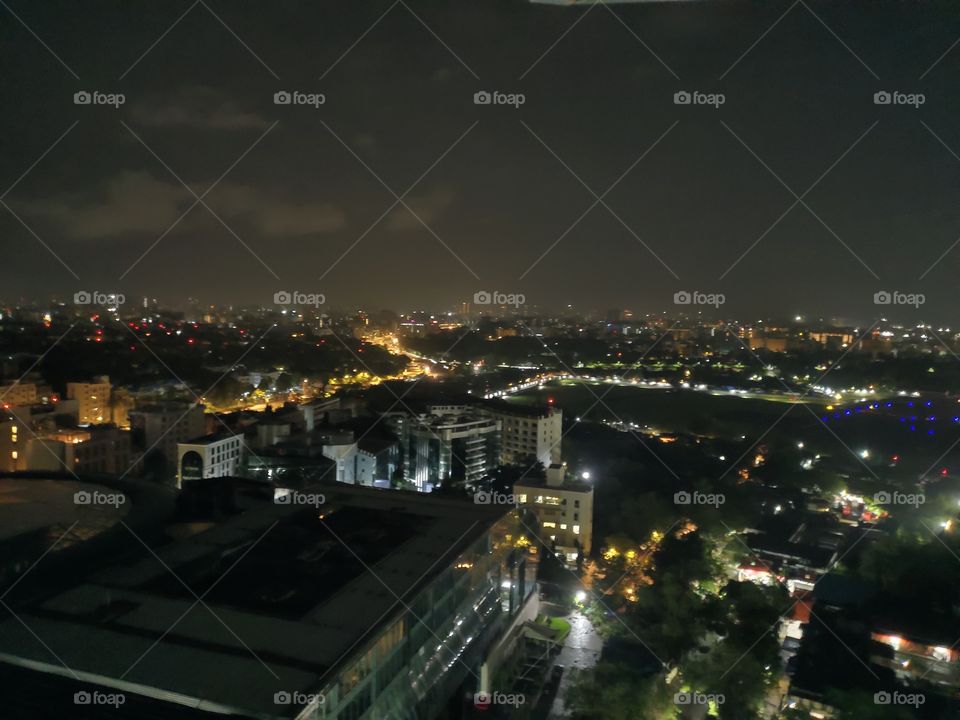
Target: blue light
{"x":928,"y":403}
{"x":889,"y":404}
{"x":930,"y":431}
{"x":846,"y":412}
{"x":910,"y":403}
{"x":913,"y":428}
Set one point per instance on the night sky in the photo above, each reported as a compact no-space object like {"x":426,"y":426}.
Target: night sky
{"x":490,"y":189}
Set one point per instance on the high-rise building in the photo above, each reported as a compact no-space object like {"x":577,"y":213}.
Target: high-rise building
{"x":448,"y":444}
{"x":528,"y":433}
{"x":93,"y":400}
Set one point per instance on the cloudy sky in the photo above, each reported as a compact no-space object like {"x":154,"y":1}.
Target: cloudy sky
{"x":782,"y":183}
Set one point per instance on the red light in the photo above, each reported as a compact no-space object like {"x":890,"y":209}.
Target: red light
{"x":943,"y":472}
{"x":896,"y":458}
{"x":550,"y":401}
{"x":190,"y":341}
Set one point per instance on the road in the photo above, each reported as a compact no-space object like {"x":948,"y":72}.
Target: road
{"x":581,"y":650}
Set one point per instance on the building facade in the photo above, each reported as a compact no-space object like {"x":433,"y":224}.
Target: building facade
{"x":564,"y":508}
{"x":93,"y":400}
{"x":210,"y":456}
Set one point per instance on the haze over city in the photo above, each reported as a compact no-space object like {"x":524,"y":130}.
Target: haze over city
{"x":514,"y":359}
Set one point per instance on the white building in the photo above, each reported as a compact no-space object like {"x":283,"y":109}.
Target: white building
{"x":527,"y":432}
{"x":210,"y":456}
{"x":93,"y":400}
{"x":564,"y":508}
{"x":344,"y":455}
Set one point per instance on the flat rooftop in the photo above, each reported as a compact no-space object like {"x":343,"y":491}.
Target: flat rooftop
{"x":289,"y":592}
{"x":30,"y":506}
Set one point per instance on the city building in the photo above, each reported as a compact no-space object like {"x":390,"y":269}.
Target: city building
{"x":448,"y":444}
{"x":344,"y":456}
{"x":18,"y":393}
{"x":93,"y":400}
{"x":11,"y":444}
{"x":291,"y":624}
{"x":92,"y":451}
{"x":563,"y":505}
{"x":160,"y":427}
{"x":528,"y":433}
{"x":216,"y":455}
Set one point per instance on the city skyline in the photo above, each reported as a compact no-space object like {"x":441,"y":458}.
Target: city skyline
{"x":708,"y":130}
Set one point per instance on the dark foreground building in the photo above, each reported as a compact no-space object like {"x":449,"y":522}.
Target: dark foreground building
{"x":337,"y":602}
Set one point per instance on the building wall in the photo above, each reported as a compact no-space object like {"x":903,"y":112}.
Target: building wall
{"x":164,"y":427}
{"x":11,"y":446}
{"x":18,"y":393}
{"x":565,"y":515}
{"x":93,"y":401}
{"x":410,"y":670}
{"x":221,"y":457}
{"x":525,"y":438}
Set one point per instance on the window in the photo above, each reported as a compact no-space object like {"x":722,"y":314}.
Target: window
{"x":563,"y":526}
{"x":576,"y":516}
{"x":549,"y":524}
{"x":576,"y":503}
{"x":576,"y":529}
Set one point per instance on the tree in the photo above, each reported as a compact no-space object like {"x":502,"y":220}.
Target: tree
{"x":616,"y":692}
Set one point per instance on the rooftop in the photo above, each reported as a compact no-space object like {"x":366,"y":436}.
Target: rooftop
{"x":288,"y":593}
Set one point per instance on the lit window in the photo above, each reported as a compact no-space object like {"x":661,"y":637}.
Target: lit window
{"x":563,"y":526}
{"x":576,"y":529}
{"x":549,"y":524}
{"x":14,"y":454}
{"x":522,"y":498}
{"x":539,"y":499}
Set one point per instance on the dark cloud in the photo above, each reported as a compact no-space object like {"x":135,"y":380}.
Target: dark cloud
{"x":196,"y":107}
